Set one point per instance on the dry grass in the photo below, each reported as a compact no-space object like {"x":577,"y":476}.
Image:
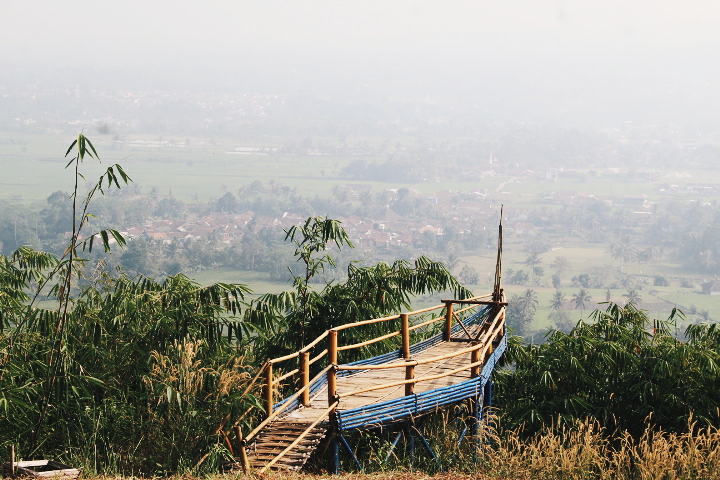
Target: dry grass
{"x":583,"y":452}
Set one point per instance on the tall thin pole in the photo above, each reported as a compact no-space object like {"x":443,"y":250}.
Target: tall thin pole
{"x":497,"y":290}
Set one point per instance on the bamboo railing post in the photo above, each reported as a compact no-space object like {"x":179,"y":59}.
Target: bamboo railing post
{"x":410,"y":375}
{"x":268,"y":389}
{"x":404,"y":318}
{"x":333,"y":360}
{"x":12,"y":460}
{"x":448,"y":320}
{"x":474,"y":358}
{"x":244,"y":462}
{"x":305,"y":377}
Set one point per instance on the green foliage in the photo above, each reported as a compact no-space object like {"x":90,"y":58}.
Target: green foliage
{"x":617,"y":370}
{"x":286,"y":321}
{"x":138,"y":375}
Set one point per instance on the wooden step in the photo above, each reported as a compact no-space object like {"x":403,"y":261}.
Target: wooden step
{"x":275,"y":438}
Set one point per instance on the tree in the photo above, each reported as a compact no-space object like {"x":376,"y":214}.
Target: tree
{"x":533,"y":260}
{"x":581,"y":299}
{"x":633,"y":296}
{"x":613,"y":369}
{"x":560,"y":265}
{"x":285,"y":321}
{"x":469,"y":275}
{"x":227,"y":203}
{"x":521,"y":310}
{"x":119,"y":363}
{"x":558,"y":301}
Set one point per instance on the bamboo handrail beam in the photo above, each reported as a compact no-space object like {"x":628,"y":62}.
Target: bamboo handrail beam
{"x":424,"y":310}
{"x":471,"y":299}
{"x":382,"y":366}
{"x":477,"y":302}
{"x":314,"y":342}
{"x":369,"y":342}
{"x":283,"y":377}
{"x":366,"y":322}
{"x":426,"y":322}
{"x":466,"y":309}
{"x":419,"y":362}
{"x":318,"y":356}
{"x":286,"y":357}
{"x":299,"y":438}
{"x":284,"y":406}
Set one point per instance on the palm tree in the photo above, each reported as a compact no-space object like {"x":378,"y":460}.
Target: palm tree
{"x":558,"y":300}
{"x":581,"y":298}
{"x":529,"y":301}
{"x":533,"y":260}
{"x":633,"y":296}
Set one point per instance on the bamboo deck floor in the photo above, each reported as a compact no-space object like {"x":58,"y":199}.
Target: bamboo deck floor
{"x":366,"y":378}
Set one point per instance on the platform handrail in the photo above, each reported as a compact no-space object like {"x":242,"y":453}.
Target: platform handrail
{"x":438,"y":358}
{"x":274,"y":414}
{"x":271,"y":382}
{"x":484,"y":347}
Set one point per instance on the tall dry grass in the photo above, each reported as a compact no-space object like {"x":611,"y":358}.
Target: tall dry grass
{"x":583,"y":450}
{"x":586,"y":451}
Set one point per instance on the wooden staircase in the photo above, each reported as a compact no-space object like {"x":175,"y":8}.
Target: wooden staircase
{"x":276,"y":437}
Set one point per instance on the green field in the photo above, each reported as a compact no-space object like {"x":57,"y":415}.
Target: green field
{"x":199,"y":169}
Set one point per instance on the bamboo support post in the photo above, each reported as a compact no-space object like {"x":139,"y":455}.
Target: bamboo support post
{"x":333,"y":360}
{"x":305,"y":377}
{"x":448,"y":319}
{"x":410,"y":375}
{"x":268,"y":389}
{"x":474,"y":358}
{"x":244,"y":462}
{"x":404,"y":319}
{"x":12,"y":460}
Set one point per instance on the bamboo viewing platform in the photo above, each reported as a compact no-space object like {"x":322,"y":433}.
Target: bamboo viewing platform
{"x":416,"y":379}
{"x":395,"y":388}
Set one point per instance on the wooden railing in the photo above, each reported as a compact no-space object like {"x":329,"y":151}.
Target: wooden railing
{"x":480,"y":349}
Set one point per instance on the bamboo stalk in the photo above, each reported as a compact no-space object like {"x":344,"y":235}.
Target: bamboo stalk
{"x":283,"y":377}
{"x":244,"y":462}
{"x":332,"y":373}
{"x":410,"y":375}
{"x":268,"y":389}
{"x":369,"y":342}
{"x":426,"y":322}
{"x":366,"y":322}
{"x":405,"y":335}
{"x":474,"y":358}
{"x":448,"y":319}
{"x":460,"y":322}
{"x":305,"y":377}
{"x":315,"y":342}
{"x":12,"y":460}
{"x":286,"y":357}
{"x":333,"y":347}
{"x":423,"y":310}
{"x":318,"y":357}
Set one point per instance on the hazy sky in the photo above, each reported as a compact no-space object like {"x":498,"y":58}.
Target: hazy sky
{"x":580,"y":52}
{"x":157,"y":30}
